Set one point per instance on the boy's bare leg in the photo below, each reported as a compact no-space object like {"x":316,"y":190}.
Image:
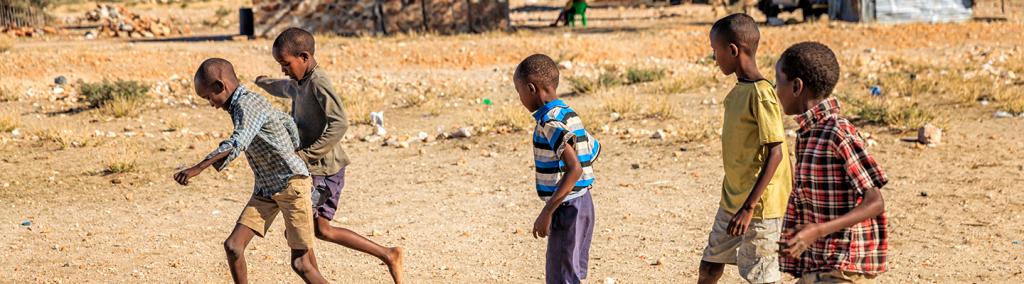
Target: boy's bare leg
{"x":710,"y":272}
{"x":234,"y":247}
{"x":391,"y":256}
{"x":303,"y":263}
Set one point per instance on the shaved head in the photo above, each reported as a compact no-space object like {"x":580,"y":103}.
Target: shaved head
{"x":295,"y":41}
{"x":216,"y":70}
{"x":738,"y":29}
{"x":539,"y":70}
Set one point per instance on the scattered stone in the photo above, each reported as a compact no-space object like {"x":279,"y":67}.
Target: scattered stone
{"x":659,"y":261}
{"x":57,"y":90}
{"x":659,"y":135}
{"x":609,"y":280}
{"x":615,"y":116}
{"x":924,"y":194}
{"x":1002,"y":114}
{"x":16,"y":133}
{"x":929,"y":135}
{"x":60,"y":80}
{"x":984,"y":102}
{"x":635,"y":166}
{"x":423,"y":137}
{"x":26,"y":223}
{"x":565,"y":64}
{"x":377,"y":119}
{"x":464,"y":132}
{"x":791,"y":133}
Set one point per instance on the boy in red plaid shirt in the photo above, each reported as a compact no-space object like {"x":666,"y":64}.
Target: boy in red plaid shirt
{"x":834,"y":230}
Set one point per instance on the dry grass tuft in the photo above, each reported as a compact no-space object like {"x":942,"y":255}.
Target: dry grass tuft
{"x":8,"y":123}
{"x":357,"y":109}
{"x":661,"y":108}
{"x":623,"y":104}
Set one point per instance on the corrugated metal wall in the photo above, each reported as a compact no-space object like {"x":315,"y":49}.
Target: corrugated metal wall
{"x":373,"y":17}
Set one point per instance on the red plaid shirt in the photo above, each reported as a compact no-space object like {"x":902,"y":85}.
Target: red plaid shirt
{"x":832,"y":171}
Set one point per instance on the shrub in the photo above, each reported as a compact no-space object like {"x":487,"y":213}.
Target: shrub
{"x":641,"y":75}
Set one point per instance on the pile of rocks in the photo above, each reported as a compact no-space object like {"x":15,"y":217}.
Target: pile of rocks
{"x":116,"y":21}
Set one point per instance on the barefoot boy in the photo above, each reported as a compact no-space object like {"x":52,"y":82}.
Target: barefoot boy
{"x":268,"y":138}
{"x":563,"y":154}
{"x":757,"y":168}
{"x":321,"y":121}
{"x":835,"y":223}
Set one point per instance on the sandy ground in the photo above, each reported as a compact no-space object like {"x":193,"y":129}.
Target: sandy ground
{"x":463,"y":208}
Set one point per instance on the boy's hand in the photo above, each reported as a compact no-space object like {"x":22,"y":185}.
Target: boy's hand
{"x":183,"y":176}
{"x":740,"y":222}
{"x":796,"y":241}
{"x":542,"y":225}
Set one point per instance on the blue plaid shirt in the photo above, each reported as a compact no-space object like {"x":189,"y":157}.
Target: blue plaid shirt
{"x":269,"y":139}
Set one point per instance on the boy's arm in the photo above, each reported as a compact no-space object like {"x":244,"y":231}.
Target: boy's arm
{"x":865,"y":176}
{"x":183,"y":176}
{"x":804,"y":235}
{"x":574,"y":170}
{"x":274,"y":87}
{"x":741,"y":220}
{"x":337,"y":125}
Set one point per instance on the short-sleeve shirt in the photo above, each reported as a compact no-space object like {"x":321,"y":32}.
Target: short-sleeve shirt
{"x":753,"y":118}
{"x":268,"y":138}
{"x":833,"y":169}
{"x":558,"y":125}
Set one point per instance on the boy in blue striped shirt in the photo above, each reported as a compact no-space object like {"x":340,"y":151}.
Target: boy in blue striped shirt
{"x":563,"y":154}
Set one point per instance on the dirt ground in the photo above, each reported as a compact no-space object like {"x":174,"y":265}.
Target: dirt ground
{"x":463,"y":208}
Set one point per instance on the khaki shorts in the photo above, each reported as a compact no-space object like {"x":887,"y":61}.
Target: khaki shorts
{"x":755,"y":253}
{"x":836,"y":276}
{"x":295,"y":204}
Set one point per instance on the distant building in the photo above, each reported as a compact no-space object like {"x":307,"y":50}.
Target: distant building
{"x":380,"y":17}
{"x":901,"y":11}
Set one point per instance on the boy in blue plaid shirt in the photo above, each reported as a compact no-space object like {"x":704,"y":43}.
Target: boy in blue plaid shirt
{"x":269,"y":139}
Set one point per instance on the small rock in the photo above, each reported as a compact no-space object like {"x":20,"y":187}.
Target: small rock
{"x":609,"y":280}
{"x":929,"y":135}
{"x":16,"y":133}
{"x":659,"y":261}
{"x":635,"y":166}
{"x":464,"y":132}
{"x":115,"y":181}
{"x":57,"y":90}
{"x":1002,"y":114}
{"x":791,"y":133}
{"x":677,"y":154}
{"x":26,"y":223}
{"x":615,"y":116}
{"x":60,"y":80}
{"x":565,"y":64}
{"x":375,"y":233}
{"x":924,"y":194}
{"x":659,"y":135}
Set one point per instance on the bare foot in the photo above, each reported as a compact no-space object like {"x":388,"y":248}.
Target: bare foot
{"x":394,"y":263}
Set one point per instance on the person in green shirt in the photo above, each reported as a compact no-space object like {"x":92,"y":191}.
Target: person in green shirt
{"x":758,"y":173}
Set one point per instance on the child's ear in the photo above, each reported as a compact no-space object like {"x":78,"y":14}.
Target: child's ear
{"x":798,"y":86}
{"x":533,"y":88}
{"x":305,"y":56}
{"x":734,"y":50}
{"x":218,"y":86}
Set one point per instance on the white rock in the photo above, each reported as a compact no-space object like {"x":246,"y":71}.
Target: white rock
{"x":464,"y":132}
{"x":1002,"y":114}
{"x":609,"y":280}
{"x":615,"y":116}
{"x":929,"y":134}
{"x":16,"y":133}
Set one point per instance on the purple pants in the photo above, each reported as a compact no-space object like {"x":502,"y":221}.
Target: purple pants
{"x":333,"y":185}
{"x":572,"y":227}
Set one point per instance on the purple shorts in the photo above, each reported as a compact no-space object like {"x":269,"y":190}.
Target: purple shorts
{"x":572,"y":226}
{"x":333,"y":185}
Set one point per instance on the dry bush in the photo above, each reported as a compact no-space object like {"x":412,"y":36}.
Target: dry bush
{"x":636,"y":75}
{"x":506,"y":119}
{"x":583,"y":85}
{"x":120,"y":166}
{"x":122,"y":107}
{"x":7,"y":94}
{"x":357,"y":109}
{"x":61,"y":138}
{"x":623,"y":104}
{"x":891,"y":113}
{"x":661,"y":108}
{"x":8,"y":123}
{"x":6,"y":43}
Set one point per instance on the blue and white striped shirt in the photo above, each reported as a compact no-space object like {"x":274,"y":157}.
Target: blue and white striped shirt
{"x":558,"y":125}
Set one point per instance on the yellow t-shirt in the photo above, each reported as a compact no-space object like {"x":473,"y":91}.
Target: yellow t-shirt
{"x":753,"y":117}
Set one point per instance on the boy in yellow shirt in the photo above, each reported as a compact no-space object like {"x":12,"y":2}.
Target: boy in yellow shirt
{"x":758,"y":173}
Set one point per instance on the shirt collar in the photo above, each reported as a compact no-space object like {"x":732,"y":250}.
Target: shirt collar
{"x":539,"y":114}
{"x":826,"y":108}
{"x":305,"y":78}
{"x":234,"y":97}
